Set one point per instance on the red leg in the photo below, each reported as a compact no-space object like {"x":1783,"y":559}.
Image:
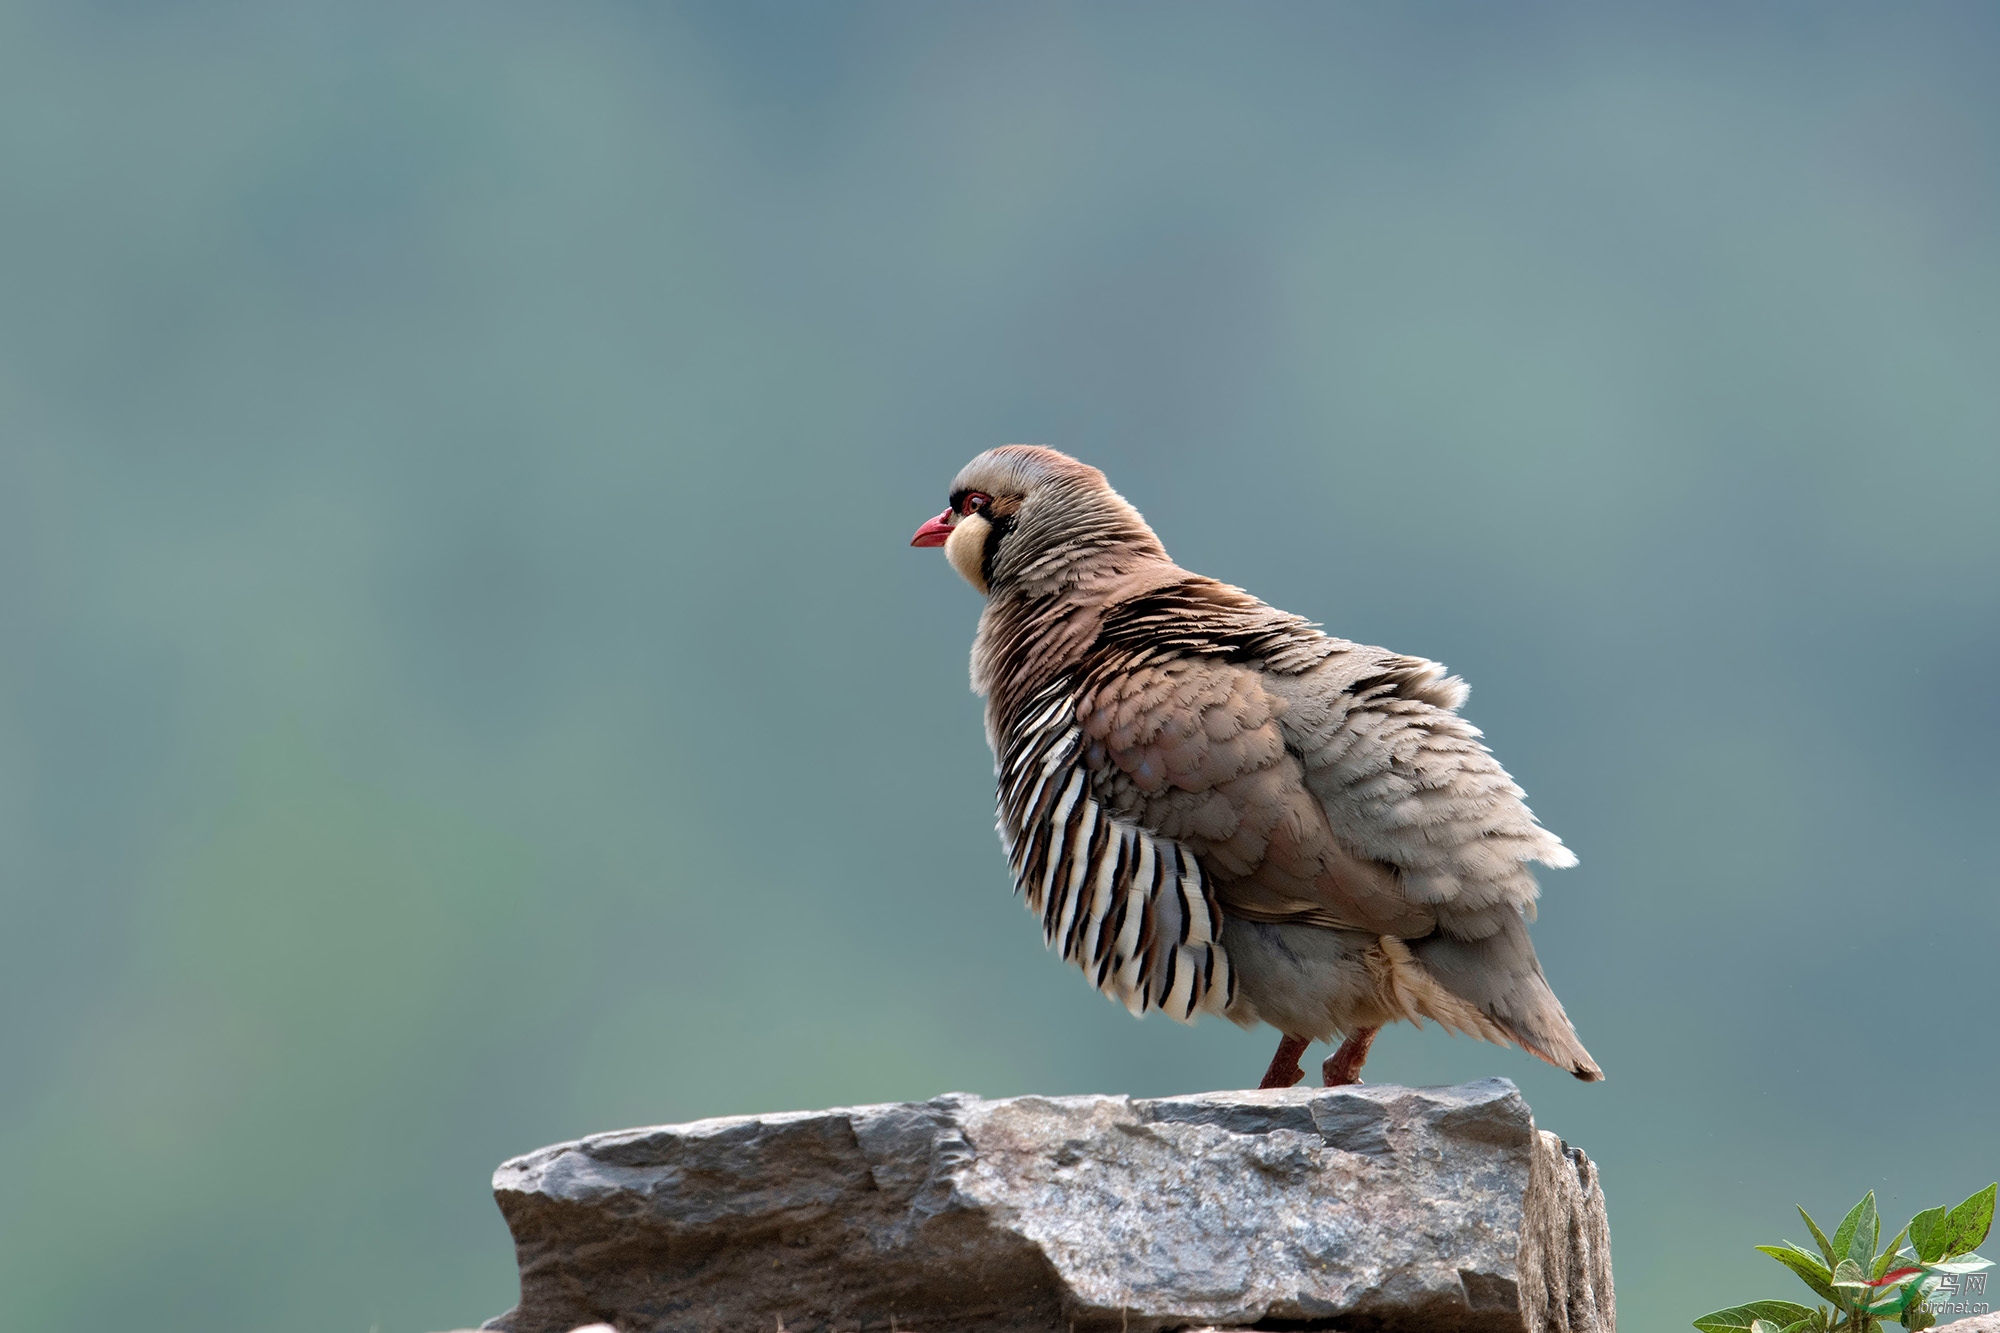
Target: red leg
{"x":1284,"y":1070}
{"x":1344,"y":1065}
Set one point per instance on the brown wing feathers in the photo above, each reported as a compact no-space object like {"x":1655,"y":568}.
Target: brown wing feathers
{"x":1192,"y":742}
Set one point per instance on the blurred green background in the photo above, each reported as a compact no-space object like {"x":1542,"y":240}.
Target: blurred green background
{"x":465,"y":684}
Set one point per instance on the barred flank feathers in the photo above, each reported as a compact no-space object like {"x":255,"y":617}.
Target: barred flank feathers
{"x":1132,"y":910}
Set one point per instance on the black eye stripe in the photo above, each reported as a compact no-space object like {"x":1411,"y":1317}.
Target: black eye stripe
{"x":1002,"y":524}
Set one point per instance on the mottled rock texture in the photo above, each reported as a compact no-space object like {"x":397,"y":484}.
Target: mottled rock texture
{"x":1370,"y":1208}
{"x":1985,"y":1323}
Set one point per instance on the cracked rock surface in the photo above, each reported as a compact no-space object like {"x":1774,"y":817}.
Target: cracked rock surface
{"x":1368,"y":1208}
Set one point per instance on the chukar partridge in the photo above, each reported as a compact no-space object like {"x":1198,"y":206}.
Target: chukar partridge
{"x":1214,"y":807}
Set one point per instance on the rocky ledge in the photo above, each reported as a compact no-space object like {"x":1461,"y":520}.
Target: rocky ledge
{"x":1368,"y":1208}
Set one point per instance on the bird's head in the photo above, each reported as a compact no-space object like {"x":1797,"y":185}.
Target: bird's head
{"x":1023,"y":515}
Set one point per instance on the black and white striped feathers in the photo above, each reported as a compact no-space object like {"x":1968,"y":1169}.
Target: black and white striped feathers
{"x":1131,"y":909}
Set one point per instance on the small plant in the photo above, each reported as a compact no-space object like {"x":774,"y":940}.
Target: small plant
{"x":1867,"y":1284}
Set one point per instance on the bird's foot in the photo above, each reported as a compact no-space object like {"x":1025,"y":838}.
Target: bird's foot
{"x":1284,"y":1070}
{"x":1343,"y":1068}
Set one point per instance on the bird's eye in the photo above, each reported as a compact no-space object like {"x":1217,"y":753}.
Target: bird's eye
{"x":974,"y":502}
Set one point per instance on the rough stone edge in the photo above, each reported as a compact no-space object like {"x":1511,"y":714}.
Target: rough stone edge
{"x":1565,"y":1259}
{"x":1979,"y":1323}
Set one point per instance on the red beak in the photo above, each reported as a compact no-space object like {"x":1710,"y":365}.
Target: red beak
{"x":934,"y":532}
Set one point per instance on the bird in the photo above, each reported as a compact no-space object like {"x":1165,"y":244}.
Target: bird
{"x":1214,"y":807}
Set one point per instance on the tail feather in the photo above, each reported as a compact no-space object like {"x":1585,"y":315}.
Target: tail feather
{"x":1501,"y":977}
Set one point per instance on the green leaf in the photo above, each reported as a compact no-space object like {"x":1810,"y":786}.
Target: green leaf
{"x":1858,"y":1230}
{"x":1825,"y":1245}
{"x":1843,"y":1235}
{"x":1890,"y":1252}
{"x":1968,"y":1224}
{"x":1964,"y":1263}
{"x":1927,"y":1234}
{"x":1847,"y":1273}
{"x":1806,"y":1264}
{"x":1738,"y":1318}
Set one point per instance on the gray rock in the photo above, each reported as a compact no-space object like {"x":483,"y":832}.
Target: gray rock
{"x":1369,"y":1208}
{"x":1984,"y":1323}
